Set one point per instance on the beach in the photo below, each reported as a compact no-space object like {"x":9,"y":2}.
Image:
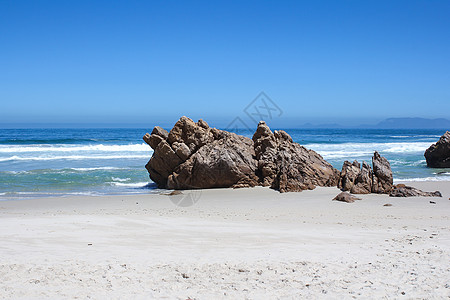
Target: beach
{"x":225,"y":150}
{"x":249,"y":243}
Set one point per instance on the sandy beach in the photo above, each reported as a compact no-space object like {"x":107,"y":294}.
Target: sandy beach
{"x":245,"y":243}
{"x":139,"y":139}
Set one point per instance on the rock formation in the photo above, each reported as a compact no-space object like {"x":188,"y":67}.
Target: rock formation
{"x":193,"y":155}
{"x":364,"y":180}
{"x":438,"y":155}
{"x":401,"y":190}
{"x":288,"y":167}
{"x":355,"y":179}
{"x":382,"y":178}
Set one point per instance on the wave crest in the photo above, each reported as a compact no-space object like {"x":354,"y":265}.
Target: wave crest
{"x":349,"y":150}
{"x":71,"y":157}
{"x":75,"y":148}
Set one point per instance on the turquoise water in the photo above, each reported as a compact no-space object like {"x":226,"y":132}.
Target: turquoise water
{"x":36,"y":162}
{"x":42,"y":162}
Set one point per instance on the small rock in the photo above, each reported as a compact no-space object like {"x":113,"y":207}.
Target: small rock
{"x":346,"y":197}
{"x":401,"y":190}
{"x":388,"y":204}
{"x":432,"y":202}
{"x":173,"y":193}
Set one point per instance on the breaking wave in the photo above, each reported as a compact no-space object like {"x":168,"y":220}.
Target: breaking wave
{"x":70,"y":157}
{"x":74,"y":148}
{"x":353,"y":150}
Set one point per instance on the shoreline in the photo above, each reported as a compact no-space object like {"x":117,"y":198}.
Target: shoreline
{"x":151,"y":189}
{"x":250,"y":242}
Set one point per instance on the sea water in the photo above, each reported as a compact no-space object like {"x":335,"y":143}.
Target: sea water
{"x":45,"y":162}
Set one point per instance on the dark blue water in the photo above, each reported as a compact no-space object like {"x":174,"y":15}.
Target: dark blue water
{"x":37,"y":162}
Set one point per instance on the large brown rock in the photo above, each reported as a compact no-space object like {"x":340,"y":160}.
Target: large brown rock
{"x":193,"y":155}
{"x":438,"y":155}
{"x":364,"y":180}
{"x":226,"y":162}
{"x":288,"y":167}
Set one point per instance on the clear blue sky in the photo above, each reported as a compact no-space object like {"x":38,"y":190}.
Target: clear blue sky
{"x":153,"y":61}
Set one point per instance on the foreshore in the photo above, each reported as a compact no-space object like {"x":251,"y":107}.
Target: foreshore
{"x":210,"y":244}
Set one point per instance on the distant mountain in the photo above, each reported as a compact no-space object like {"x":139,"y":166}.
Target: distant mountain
{"x":391,"y":123}
{"x":413,"y":123}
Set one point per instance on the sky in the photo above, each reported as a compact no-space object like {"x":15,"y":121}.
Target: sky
{"x":150,"y":62}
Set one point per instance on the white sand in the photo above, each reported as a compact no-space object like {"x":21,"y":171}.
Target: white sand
{"x":247,"y":243}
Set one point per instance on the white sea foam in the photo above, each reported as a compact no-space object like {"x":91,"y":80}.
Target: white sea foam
{"x":116,"y":179}
{"x":353,"y":150}
{"x":74,"y":148}
{"x":71,"y":157}
{"x":14,"y":172}
{"x":84,"y":194}
{"x":45,"y":194}
{"x":41,"y":171}
{"x":435,"y":178}
{"x":134,"y":184}
{"x":414,"y":136}
{"x":96,"y":169}
{"x":343,"y":154}
{"x":396,"y":162}
{"x":406,"y":147}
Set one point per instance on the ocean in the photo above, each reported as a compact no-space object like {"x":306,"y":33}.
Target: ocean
{"x":55,"y":162}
